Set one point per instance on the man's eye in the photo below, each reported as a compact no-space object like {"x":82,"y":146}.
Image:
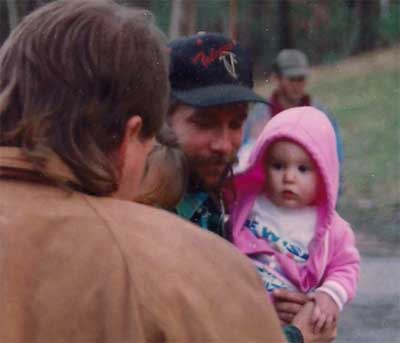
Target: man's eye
{"x":236,"y":125}
{"x":202,"y":124}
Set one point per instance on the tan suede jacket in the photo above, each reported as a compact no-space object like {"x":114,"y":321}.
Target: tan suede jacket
{"x":78,"y":268}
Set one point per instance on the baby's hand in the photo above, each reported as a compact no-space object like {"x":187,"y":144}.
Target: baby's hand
{"x":325,"y":312}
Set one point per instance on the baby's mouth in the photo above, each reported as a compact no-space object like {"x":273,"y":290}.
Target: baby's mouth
{"x":288,"y":194}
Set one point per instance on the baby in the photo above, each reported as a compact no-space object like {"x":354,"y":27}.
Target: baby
{"x":283,"y":215}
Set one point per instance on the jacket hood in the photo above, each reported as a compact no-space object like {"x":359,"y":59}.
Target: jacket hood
{"x":311,"y":129}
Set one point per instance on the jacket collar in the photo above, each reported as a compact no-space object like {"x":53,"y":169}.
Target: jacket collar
{"x":13,"y":159}
{"x":276,"y":105}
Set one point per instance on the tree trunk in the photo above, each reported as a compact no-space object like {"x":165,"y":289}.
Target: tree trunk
{"x":17,"y":9}
{"x":244,"y":34}
{"x":12,"y":14}
{"x":183,"y":18}
{"x":284,"y":25}
{"x":233,"y":19}
{"x":369,"y":25}
{"x":4,"y":23}
{"x":256,"y":42}
{"x":24,"y":7}
{"x":147,"y":4}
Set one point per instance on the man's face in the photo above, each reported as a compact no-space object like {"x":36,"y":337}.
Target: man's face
{"x":292,"y":88}
{"x":210,"y":138}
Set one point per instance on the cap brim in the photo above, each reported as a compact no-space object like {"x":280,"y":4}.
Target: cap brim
{"x":217,"y":95}
{"x":295,"y":72}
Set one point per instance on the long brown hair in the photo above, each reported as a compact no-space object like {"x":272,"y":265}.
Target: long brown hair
{"x":71,"y":75}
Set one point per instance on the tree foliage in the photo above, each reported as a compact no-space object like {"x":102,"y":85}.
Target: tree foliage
{"x":325,"y":30}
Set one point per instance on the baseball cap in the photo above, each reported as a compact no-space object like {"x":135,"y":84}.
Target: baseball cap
{"x":292,"y":62}
{"x":209,"y":69}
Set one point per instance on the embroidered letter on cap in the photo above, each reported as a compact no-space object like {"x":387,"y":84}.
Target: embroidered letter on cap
{"x":230,"y":61}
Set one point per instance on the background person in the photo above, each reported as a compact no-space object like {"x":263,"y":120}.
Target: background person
{"x":83,"y":90}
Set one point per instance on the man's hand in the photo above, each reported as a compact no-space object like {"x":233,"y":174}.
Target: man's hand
{"x":304,"y":323}
{"x":288,"y":304}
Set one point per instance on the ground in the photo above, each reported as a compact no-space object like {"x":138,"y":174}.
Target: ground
{"x":374,"y":314}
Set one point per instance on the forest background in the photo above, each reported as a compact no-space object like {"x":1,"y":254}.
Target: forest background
{"x":353,"y":46}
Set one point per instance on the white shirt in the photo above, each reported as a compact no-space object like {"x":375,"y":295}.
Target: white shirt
{"x":287,"y":230}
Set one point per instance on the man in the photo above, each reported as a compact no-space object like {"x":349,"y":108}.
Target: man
{"x":211,"y":80}
{"x":83,"y":90}
{"x":290,"y":71}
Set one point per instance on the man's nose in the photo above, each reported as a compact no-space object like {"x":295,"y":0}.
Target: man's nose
{"x":222,"y":142}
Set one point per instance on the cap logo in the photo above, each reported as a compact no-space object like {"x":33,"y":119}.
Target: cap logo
{"x":230,"y":61}
{"x":214,"y":54}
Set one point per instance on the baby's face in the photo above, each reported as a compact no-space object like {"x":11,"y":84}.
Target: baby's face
{"x":291,"y":175}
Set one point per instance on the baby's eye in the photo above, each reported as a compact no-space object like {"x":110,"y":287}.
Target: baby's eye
{"x":303,"y":168}
{"x":277,"y":166}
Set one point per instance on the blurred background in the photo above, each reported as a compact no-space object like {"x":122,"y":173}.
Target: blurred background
{"x":327,"y":30}
{"x":353,"y":46}
{"x":354,"y":50}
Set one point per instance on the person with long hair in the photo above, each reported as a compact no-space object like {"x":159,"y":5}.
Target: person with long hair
{"x":83,"y":93}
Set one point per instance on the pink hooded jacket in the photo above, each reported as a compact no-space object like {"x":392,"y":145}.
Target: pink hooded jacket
{"x":333,"y":257}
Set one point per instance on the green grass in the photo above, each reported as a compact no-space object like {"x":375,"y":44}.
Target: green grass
{"x":366,"y":103}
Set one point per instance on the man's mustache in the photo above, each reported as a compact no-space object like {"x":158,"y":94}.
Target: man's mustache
{"x":213,"y":159}
{"x":195,"y":162}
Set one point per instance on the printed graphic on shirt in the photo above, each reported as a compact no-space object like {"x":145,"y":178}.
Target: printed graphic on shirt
{"x":270,"y":281}
{"x":285,"y":246}
{"x":271,"y":275}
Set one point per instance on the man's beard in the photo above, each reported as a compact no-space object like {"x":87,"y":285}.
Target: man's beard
{"x":197,"y":162}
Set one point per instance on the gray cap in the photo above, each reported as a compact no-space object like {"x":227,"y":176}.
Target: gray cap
{"x":291,"y":62}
